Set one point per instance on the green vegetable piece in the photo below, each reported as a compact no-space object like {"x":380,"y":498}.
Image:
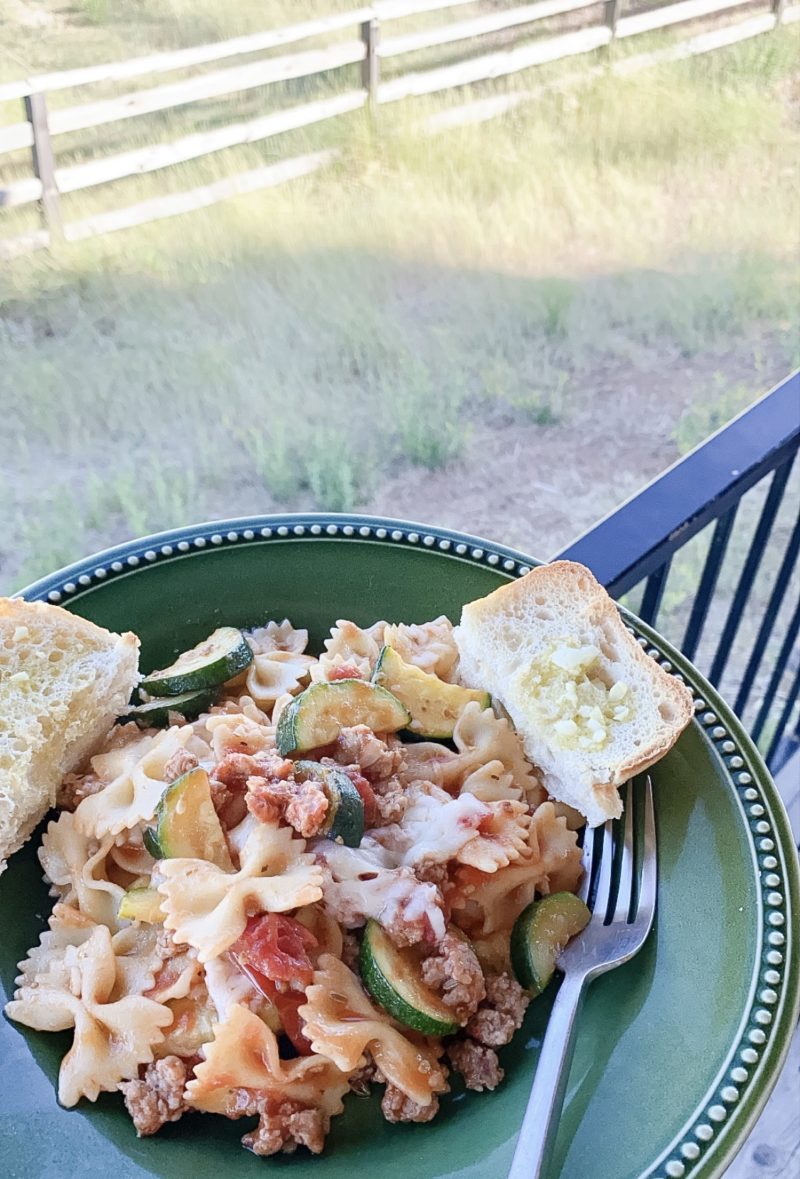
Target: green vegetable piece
{"x":435,"y":706}
{"x":393,"y":977}
{"x":216,"y":660}
{"x":142,"y":904}
{"x":155,"y":713}
{"x":345,"y":818}
{"x":317,"y":715}
{"x":540,"y":933}
{"x":187,"y":824}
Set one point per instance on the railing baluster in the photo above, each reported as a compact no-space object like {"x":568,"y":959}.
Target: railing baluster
{"x":751,"y":566}
{"x":768,"y":621}
{"x":653,"y":593}
{"x":708,"y":581}
{"x":777,"y":674}
{"x":783,"y":721}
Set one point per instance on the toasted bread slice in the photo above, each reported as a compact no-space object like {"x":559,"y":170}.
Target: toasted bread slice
{"x":63,"y":681}
{"x":592,"y":708}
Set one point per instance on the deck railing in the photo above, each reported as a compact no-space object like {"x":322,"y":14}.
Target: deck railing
{"x":372,"y":44}
{"x":736,"y":490}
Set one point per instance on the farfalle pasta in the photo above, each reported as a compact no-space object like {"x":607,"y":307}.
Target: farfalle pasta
{"x":283,"y":899}
{"x":134,"y":793}
{"x":207,"y":908}
{"x":75,"y":989}
{"x":342,"y":1024}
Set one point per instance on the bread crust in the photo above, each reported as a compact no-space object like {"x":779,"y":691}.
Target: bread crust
{"x":569,"y":581}
{"x":19,"y":612}
{"x":44,"y":736}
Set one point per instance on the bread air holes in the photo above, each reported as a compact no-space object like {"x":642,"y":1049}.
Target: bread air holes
{"x":666,"y":712}
{"x":541,"y":609}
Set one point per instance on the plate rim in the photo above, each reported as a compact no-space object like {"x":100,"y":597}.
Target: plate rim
{"x":711,"y":1137}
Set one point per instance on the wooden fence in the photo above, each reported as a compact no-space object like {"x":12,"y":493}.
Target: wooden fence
{"x":372,"y":44}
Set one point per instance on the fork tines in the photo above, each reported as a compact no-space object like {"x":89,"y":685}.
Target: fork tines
{"x":619,"y":861}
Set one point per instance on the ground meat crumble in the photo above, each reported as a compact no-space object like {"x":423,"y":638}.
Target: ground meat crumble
{"x":282,"y":1125}
{"x":501,"y":1013}
{"x":235,"y":769}
{"x":477,"y":1064}
{"x":303,"y":805}
{"x":376,"y":759}
{"x":396,"y":1107}
{"x":391,"y":800}
{"x":455,"y":972}
{"x":178,"y":764}
{"x":75,"y":787}
{"x":270,"y":791}
{"x":157,"y":1097}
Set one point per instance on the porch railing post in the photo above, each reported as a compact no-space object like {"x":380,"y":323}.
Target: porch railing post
{"x":44,"y":164}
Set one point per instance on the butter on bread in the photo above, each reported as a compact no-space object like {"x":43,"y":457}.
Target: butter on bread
{"x":592,"y":708}
{"x":63,"y":682}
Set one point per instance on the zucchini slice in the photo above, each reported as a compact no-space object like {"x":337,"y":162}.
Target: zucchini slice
{"x":540,"y":933}
{"x":317,"y":716}
{"x":187,"y":823}
{"x":142,"y":904}
{"x":392,"y":976}
{"x":435,"y":706}
{"x":345,"y":818}
{"x":155,"y":713}
{"x":218,"y":658}
{"x":150,"y":841}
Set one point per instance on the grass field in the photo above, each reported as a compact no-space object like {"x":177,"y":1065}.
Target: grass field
{"x":505,"y":328}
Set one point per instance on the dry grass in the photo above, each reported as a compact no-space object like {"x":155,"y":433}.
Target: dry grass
{"x":316,"y":344}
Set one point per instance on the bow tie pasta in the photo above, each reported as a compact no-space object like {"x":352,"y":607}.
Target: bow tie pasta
{"x":264,"y":907}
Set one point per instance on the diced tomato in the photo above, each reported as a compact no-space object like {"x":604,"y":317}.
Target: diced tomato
{"x":367,"y":795}
{"x":286,"y":1004}
{"x":277,"y":946}
{"x":345,"y":672}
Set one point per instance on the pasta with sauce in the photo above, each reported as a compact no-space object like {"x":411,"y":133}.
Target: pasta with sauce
{"x":229,"y":907}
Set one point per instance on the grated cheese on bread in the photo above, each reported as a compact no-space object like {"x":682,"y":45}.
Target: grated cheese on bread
{"x":592,"y":708}
{"x":63,"y":681}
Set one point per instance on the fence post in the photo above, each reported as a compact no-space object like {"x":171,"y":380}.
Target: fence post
{"x":778,"y":7}
{"x":612,"y":15}
{"x":370,"y":68}
{"x":44,"y":164}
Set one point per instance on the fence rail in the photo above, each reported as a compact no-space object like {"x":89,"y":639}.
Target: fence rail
{"x":49,"y":181}
{"x":635,"y":545}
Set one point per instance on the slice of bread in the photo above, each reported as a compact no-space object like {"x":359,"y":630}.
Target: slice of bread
{"x":63,"y":681}
{"x":527,"y":642}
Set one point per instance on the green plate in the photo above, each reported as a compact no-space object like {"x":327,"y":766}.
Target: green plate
{"x":677,"y":1051}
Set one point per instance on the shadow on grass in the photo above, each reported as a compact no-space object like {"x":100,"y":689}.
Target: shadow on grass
{"x":141,"y":391}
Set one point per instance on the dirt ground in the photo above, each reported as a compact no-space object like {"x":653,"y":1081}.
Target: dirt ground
{"x":537,"y":487}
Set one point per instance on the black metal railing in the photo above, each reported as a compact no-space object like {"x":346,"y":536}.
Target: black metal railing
{"x":721,"y":528}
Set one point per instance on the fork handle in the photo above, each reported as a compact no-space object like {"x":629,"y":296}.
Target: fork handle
{"x":540,"y":1124}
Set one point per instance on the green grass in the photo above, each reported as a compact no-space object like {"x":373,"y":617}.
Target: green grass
{"x":312,"y":345}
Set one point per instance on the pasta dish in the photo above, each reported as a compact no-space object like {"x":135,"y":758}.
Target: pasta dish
{"x":285,"y":879}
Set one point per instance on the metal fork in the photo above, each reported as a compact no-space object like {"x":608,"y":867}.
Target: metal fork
{"x":612,"y":936}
